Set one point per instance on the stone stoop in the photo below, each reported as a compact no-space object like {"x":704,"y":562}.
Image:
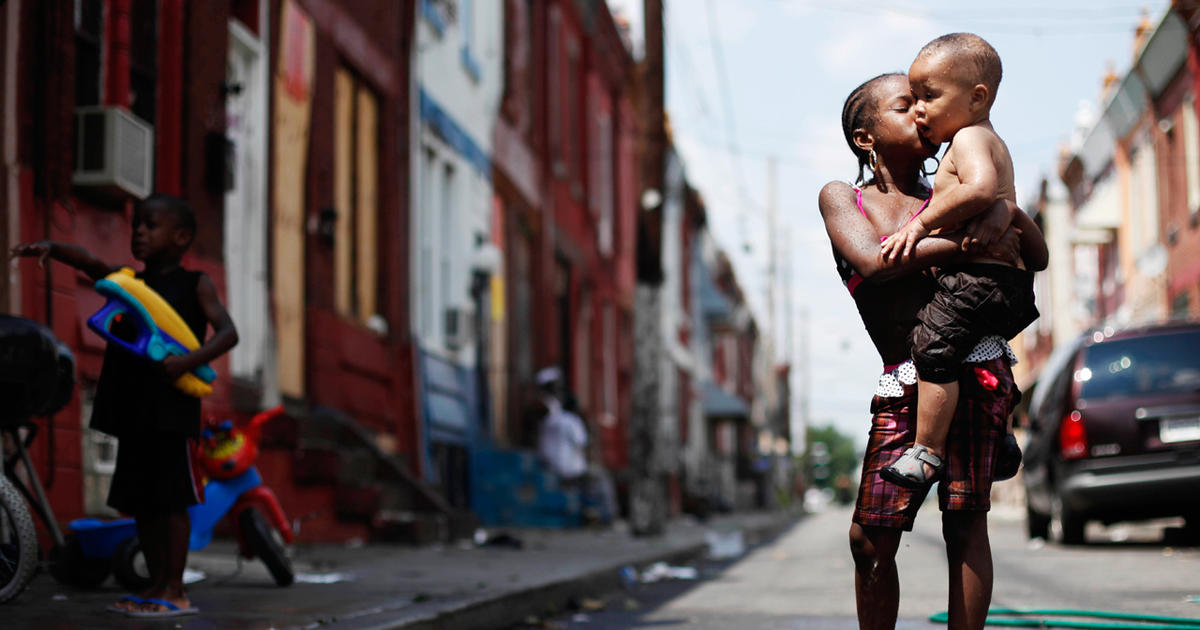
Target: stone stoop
{"x":370,"y":486}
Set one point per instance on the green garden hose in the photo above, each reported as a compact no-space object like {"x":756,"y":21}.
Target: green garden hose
{"x":1121,"y":621}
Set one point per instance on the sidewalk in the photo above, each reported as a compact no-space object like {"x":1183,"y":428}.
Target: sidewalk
{"x":382,"y":586}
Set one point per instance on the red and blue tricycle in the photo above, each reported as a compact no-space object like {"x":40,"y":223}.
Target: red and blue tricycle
{"x":233,"y":487}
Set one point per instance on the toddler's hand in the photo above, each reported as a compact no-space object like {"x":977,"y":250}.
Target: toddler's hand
{"x":900,"y":245}
{"x":985,"y":228}
{"x":40,"y":250}
{"x":174,"y":366}
{"x":1007,"y":247}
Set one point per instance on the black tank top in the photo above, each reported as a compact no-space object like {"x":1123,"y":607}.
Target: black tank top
{"x":132,"y":395}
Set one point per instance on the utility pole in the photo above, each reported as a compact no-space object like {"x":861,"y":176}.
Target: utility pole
{"x":647,"y":490}
{"x":772,"y":271}
{"x":800,"y":424}
{"x":789,"y":342}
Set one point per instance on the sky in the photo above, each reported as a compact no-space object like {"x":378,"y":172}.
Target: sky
{"x":753,"y":80}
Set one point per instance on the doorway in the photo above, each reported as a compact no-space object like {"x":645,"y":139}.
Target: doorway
{"x":246,"y":216}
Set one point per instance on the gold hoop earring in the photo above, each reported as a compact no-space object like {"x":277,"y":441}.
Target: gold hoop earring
{"x":873,"y":161}
{"x":936,"y":165}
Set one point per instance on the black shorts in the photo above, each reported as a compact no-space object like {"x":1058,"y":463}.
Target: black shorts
{"x":972,"y":301}
{"x":154,"y":474}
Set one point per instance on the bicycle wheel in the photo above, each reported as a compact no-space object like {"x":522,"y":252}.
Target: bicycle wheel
{"x":18,"y":542}
{"x":262,"y":541}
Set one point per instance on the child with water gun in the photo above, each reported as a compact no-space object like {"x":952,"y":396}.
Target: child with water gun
{"x":137,"y":399}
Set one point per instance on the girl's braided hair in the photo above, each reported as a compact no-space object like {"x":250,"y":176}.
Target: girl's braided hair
{"x":859,"y":111}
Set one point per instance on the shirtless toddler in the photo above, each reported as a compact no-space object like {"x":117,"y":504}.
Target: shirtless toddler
{"x":954,"y":80}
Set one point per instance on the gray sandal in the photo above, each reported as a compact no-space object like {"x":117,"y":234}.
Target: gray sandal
{"x":909,"y":472}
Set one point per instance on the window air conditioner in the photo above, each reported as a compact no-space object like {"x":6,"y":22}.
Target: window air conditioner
{"x":114,"y":151}
{"x":458,"y":327}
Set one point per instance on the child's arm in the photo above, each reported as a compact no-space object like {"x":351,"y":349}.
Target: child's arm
{"x":224,"y":336}
{"x":1034,"y":252}
{"x":66,"y":253}
{"x":978,"y":184}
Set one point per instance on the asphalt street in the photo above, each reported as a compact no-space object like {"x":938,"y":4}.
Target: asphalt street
{"x":803,"y":579}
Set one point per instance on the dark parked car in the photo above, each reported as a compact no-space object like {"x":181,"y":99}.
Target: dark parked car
{"x":1115,"y":431}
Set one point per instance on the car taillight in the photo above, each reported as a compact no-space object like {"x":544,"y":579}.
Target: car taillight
{"x":1072,"y":439}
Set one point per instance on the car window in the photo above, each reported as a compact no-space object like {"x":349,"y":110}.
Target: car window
{"x":1141,"y":365}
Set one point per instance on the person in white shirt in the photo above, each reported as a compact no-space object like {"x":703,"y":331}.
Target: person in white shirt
{"x":562,"y":440}
{"x":563,"y":444}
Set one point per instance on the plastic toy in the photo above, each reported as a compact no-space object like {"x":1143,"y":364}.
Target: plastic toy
{"x":233,"y":488}
{"x":160,"y":330}
{"x":226,"y":451}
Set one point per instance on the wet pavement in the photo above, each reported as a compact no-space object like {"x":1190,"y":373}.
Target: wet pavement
{"x":375,"y":586}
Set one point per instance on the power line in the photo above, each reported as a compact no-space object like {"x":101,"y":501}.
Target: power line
{"x":1034,"y":21}
{"x":1038,"y":13}
{"x":723,"y":86}
{"x":685,"y":56}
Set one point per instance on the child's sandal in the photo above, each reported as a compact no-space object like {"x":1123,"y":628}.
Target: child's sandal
{"x":909,"y":471}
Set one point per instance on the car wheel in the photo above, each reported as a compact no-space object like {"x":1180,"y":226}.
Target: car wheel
{"x":1066,"y":524}
{"x":1036,"y":525}
{"x":1191,"y":528}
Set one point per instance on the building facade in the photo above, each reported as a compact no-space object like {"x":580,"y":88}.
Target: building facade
{"x":408,"y":207}
{"x":1121,"y":222}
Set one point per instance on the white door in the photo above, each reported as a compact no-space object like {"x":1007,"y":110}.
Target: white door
{"x":246,"y":212}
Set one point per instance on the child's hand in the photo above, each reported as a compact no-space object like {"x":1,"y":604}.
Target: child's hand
{"x":900,"y":245}
{"x":41,"y":250}
{"x":986,"y":227}
{"x":1007,"y":247}
{"x":174,"y":366}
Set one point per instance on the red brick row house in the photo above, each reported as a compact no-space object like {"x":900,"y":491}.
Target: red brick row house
{"x":565,"y":194}
{"x":283,"y":123}
{"x":296,"y":128}
{"x":1124,"y":226}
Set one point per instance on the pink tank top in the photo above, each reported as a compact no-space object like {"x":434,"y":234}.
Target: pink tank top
{"x":853,"y":279}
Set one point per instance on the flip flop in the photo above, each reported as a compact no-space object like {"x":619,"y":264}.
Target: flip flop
{"x":909,"y":472}
{"x":113,"y":607}
{"x":171,"y":610}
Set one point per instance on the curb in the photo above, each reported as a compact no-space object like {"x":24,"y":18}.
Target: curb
{"x":506,"y":609}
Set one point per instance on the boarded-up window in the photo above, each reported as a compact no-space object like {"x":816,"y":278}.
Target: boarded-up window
{"x":356,"y":195}
{"x":600,"y":170}
{"x":1191,"y":154}
{"x":555,"y":71}
{"x":573,"y":106}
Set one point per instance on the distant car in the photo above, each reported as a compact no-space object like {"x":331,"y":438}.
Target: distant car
{"x":1115,"y":432}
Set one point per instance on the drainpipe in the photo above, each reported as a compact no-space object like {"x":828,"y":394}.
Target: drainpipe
{"x":119,"y":35}
{"x":12,"y":170}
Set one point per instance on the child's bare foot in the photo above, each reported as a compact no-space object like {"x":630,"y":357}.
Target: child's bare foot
{"x":126,"y":604}
{"x":163,"y":606}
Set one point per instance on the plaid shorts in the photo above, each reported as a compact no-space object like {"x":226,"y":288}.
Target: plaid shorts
{"x":986,"y":398}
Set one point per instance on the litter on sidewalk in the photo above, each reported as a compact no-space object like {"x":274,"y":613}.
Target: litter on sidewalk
{"x":725,"y":545}
{"x":323,"y":578}
{"x":662,"y":571}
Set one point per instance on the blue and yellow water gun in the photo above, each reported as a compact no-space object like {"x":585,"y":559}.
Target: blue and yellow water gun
{"x":160,"y":330}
